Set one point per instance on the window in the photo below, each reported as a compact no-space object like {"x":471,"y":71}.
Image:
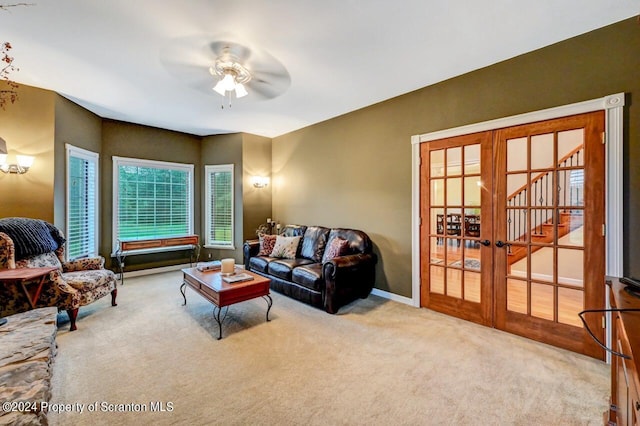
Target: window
{"x":219,"y":206}
{"x":82,"y":203}
{"x":151,"y":199}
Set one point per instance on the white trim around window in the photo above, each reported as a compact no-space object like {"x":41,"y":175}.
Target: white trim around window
{"x":82,"y":202}
{"x":166,"y":196}
{"x":219,"y":207}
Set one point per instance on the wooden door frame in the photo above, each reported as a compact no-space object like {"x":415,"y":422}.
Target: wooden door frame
{"x":613,"y":106}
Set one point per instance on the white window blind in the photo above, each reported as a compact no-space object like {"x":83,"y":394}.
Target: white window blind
{"x":82,"y":203}
{"x":219,"y":206}
{"x":152,"y":199}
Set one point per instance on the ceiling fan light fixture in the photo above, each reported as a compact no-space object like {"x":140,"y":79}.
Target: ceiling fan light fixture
{"x":232,"y":76}
{"x":241,"y":91}
{"x":228,"y":82}
{"x":219,"y":88}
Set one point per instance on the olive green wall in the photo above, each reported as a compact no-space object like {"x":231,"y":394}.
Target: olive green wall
{"x":81,"y":128}
{"x":250,"y":155}
{"x":355,"y":170}
{"x":226,"y":149}
{"x":42,"y":122}
{"x":256,"y":161}
{"x":28,"y":128}
{"x":148,"y":143}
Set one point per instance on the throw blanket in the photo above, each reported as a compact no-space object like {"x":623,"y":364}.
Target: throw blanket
{"x":31,"y":236}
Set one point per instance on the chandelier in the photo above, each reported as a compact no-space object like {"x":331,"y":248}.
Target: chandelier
{"x":232,"y":77}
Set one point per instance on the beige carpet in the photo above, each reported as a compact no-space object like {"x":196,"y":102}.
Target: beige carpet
{"x":377,"y":362}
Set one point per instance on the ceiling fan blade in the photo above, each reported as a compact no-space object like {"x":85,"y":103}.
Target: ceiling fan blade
{"x":188,"y":50}
{"x":194,"y":76}
{"x":265,"y":90}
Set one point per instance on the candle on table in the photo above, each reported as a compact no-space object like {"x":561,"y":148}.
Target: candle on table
{"x":228,"y":266}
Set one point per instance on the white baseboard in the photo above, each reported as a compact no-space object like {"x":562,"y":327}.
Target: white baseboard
{"x":392,"y":296}
{"x":152,"y":271}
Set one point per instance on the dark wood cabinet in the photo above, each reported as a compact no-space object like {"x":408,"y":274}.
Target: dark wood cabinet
{"x":625,"y":399}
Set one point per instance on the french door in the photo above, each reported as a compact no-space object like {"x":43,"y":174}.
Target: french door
{"x":457,"y":226}
{"x":524,"y":217}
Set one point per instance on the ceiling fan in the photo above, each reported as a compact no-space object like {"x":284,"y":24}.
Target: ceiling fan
{"x":227,"y":68}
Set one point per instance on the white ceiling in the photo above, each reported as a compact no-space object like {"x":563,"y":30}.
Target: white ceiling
{"x":342,"y":55}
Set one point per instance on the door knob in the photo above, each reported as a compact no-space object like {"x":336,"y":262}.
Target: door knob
{"x":485,"y":243}
{"x":500,"y":244}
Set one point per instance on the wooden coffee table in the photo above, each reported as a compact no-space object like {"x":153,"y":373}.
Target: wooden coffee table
{"x":209,"y":284}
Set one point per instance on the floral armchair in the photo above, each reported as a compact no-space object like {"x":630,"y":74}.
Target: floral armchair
{"x":73,"y":284}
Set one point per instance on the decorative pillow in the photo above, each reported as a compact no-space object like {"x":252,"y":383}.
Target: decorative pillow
{"x":337,"y":247}
{"x":286,"y":247}
{"x":266,"y":244}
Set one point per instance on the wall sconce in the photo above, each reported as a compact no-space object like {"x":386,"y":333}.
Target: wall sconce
{"x":260,"y":181}
{"x":24,"y":161}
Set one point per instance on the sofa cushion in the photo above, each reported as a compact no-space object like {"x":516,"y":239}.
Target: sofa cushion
{"x":314,"y":242}
{"x":286,"y":247}
{"x":266,"y":244}
{"x":260,"y":263}
{"x":309,"y":276}
{"x":337,"y":247}
{"x":282,"y":268}
{"x":293,"y":230}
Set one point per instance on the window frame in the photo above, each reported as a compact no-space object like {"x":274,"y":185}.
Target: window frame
{"x":208,"y":170}
{"x":138,"y":162}
{"x":90,"y":156}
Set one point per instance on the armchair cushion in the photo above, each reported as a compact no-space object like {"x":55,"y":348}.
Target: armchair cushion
{"x":91,"y":284}
{"x":88,"y":263}
{"x":40,"y":261}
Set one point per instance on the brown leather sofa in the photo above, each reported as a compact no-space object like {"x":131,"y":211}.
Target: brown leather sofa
{"x":329,"y":285}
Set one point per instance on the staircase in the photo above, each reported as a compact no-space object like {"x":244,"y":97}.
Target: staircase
{"x":570,"y":193}
{"x":567,"y":222}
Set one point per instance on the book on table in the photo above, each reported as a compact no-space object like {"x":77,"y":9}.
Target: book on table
{"x":236,"y":278}
{"x":216,"y":265}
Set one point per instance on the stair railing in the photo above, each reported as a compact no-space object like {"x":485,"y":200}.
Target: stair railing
{"x":542,"y":197}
